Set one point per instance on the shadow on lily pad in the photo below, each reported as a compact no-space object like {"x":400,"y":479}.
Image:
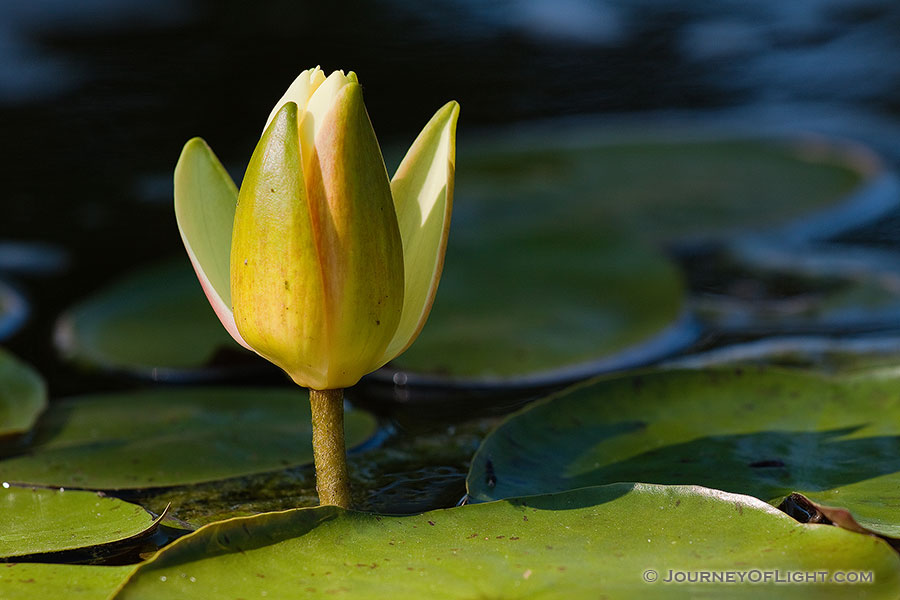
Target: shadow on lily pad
{"x":762,"y":432}
{"x":586,"y":543}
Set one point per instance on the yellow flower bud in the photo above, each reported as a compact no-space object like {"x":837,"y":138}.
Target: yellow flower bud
{"x":320,"y":263}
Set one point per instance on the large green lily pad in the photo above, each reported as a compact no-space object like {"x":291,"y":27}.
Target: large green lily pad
{"x":605,"y":542}
{"x":671,"y":187}
{"x":37,"y":581}
{"x":766,"y":433}
{"x":41,"y":521}
{"x":171,"y":437}
{"x":23,"y":396}
{"x":539,"y":303}
{"x":538,"y":288}
{"x":154,"y":322}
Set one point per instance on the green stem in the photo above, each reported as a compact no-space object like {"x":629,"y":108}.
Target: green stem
{"x":332,"y":481}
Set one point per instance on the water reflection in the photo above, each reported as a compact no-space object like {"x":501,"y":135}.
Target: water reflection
{"x":32,"y":69}
{"x":743,"y":51}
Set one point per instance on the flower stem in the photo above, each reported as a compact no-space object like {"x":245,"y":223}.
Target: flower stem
{"x":332,"y":481}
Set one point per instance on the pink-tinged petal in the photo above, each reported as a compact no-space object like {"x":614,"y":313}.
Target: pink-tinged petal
{"x":312,"y":116}
{"x":357,"y":237}
{"x":205,"y":198}
{"x":223,"y":311}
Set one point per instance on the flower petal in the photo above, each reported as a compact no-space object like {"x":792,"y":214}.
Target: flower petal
{"x":276,"y":279}
{"x":205,"y":198}
{"x":357,"y":236}
{"x":299,"y":92}
{"x":422,"y":189}
{"x":319,"y":106}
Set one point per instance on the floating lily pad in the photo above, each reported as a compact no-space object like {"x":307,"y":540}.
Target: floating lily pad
{"x":36,"y":581}
{"x":538,"y":305}
{"x":154,"y":323}
{"x":171,"y":437}
{"x":13,"y":310}
{"x":41,"y":521}
{"x":590,"y":543}
{"x":675,"y":186}
{"x":23,"y":395}
{"x":817,"y":353}
{"x":536,"y":290}
{"x":766,"y":433}
{"x":763,"y":289}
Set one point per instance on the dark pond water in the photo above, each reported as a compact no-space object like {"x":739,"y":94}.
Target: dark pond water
{"x":97,"y":98}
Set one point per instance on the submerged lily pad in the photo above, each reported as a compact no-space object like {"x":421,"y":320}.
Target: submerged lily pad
{"x":37,"y":581}
{"x":42,"y":521}
{"x":420,"y":467}
{"x":171,"y":437}
{"x":13,"y":310}
{"x":766,"y":433}
{"x":539,"y":305}
{"x":23,"y":395}
{"x":674,"y":186}
{"x":154,"y":323}
{"x":607,"y":541}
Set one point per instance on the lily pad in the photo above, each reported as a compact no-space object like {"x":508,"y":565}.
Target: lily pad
{"x":23,"y":395}
{"x":606,"y":541}
{"x":13,"y":310}
{"x":171,"y":437}
{"x":852,"y":355}
{"x":37,"y":581}
{"x":676,"y":186}
{"x":766,"y":433}
{"x":154,"y":323}
{"x":762,"y":289}
{"x":37,"y":521}
{"x":538,"y":290}
{"x":537,"y":305}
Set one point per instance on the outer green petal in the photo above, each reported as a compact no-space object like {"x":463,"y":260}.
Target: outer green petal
{"x":276,"y":280}
{"x":423,"y":196}
{"x":205,"y":198}
{"x":358,"y":239}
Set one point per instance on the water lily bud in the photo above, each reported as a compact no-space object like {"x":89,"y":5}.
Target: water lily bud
{"x":320,"y":263}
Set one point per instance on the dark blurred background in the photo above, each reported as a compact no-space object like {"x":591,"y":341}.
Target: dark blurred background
{"x":98,"y":96}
